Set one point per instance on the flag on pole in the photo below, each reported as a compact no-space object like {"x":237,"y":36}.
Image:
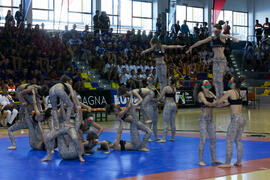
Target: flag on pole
{"x":26,"y":7}
{"x":218,"y":5}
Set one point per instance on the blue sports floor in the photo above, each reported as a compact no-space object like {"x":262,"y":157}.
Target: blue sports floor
{"x":24,"y":163}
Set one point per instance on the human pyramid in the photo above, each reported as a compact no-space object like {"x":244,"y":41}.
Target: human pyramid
{"x":71,"y":119}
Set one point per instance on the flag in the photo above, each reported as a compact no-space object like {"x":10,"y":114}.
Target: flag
{"x":26,"y":7}
{"x":218,"y":5}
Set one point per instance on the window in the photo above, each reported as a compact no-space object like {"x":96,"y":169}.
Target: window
{"x":6,"y":5}
{"x":126,"y":13}
{"x":142,"y":9}
{"x":79,"y":13}
{"x":237,"y":21}
{"x":9,"y":3}
{"x":45,"y":4}
{"x":111,"y":8}
{"x":181,"y":13}
{"x":81,"y":6}
{"x":228,"y":16}
{"x":56,"y":15}
{"x":142,"y":15}
{"x":193,"y":15}
{"x":240,"y":26}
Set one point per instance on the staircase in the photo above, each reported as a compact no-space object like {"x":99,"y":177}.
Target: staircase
{"x":251,"y":79}
{"x":91,"y":79}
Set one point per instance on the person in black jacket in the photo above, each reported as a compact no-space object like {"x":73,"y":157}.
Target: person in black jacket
{"x":96,"y":22}
{"x":19,"y":16}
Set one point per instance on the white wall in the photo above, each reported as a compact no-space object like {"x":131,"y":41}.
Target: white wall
{"x":162,"y":5}
{"x":236,"y":5}
{"x":262,"y":10}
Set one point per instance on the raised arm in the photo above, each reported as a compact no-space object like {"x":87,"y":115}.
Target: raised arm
{"x":234,"y":39}
{"x":173,"y":46}
{"x":147,"y":50}
{"x":199,"y":43}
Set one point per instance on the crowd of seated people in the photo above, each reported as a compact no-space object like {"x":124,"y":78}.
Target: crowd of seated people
{"x":32,"y":55}
{"x":257,"y":57}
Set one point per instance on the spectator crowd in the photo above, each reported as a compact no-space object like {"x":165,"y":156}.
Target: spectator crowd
{"x":257,"y":57}
{"x":33,"y":55}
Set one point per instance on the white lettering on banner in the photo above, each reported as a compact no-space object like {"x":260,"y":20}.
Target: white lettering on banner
{"x":177,"y":96}
{"x":92,"y":100}
{"x":116,"y":99}
{"x":123,"y":100}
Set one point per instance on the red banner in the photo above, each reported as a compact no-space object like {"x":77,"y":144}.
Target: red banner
{"x":218,"y":5}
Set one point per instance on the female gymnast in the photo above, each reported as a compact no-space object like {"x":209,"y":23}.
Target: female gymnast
{"x":153,"y":107}
{"x":69,"y":145}
{"x":122,"y":145}
{"x":129,"y":115}
{"x":205,"y":97}
{"x":31,"y":98}
{"x":218,"y":42}
{"x":62,"y":90}
{"x":144,"y":96}
{"x":238,"y":121}
{"x":159,"y":51}
{"x":169,"y":111}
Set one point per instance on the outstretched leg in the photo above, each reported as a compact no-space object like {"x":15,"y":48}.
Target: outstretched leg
{"x":15,"y":127}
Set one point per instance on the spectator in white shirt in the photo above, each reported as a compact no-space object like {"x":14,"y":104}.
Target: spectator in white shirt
{"x":108,"y":69}
{"x":141,"y":75}
{"x":124,"y":77}
{"x":133,"y":80}
{"x":143,"y":66}
{"x":134,"y":67}
{"x":7,"y":110}
{"x":120,"y":67}
{"x":146,"y":66}
{"x":138,"y":66}
{"x":129,"y":67}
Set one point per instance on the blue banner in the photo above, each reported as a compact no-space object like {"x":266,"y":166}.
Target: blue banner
{"x":122,"y":101}
{"x":26,"y":7}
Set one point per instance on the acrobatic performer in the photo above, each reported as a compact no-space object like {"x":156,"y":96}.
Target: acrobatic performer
{"x":159,"y":51}
{"x":205,"y":97}
{"x":31,"y":97}
{"x":218,"y":42}
{"x":237,"y":124}
{"x":169,"y":111}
